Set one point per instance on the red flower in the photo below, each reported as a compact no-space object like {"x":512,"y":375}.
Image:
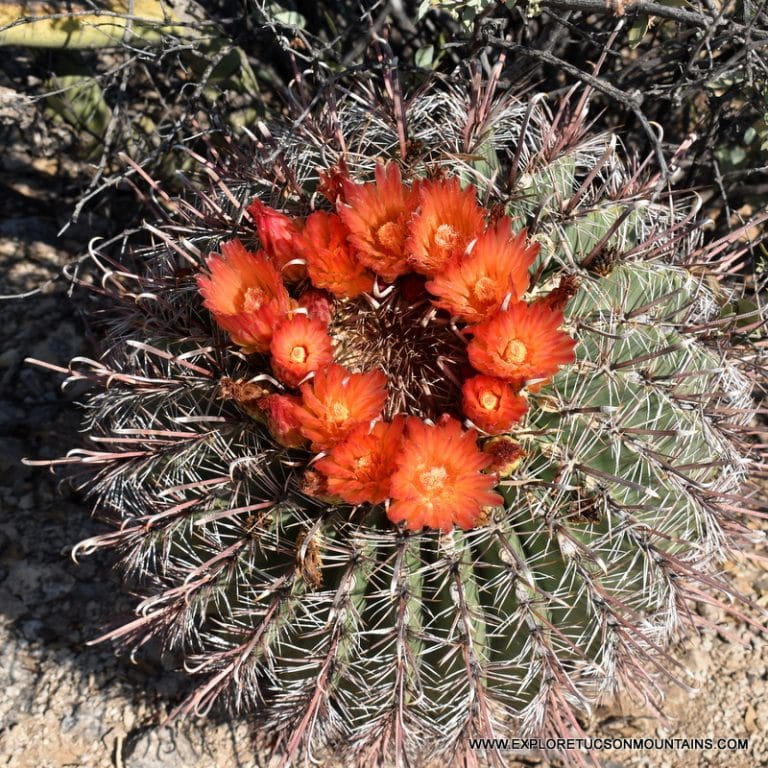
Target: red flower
{"x":333,"y":182}
{"x":448,"y":219}
{"x":377,"y":215}
{"x":520,"y":344}
{"x":336,"y":401}
{"x":331,"y":262}
{"x":280,"y":412}
{"x":299,"y":346}
{"x":438,"y":481}
{"x":245,"y":294}
{"x":359,"y":468}
{"x":280,"y":238}
{"x":492,"y":404}
{"x":474,"y":286}
{"x":319,"y":305}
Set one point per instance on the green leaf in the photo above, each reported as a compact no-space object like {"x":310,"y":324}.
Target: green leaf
{"x":425,"y":57}
{"x":638,"y":31}
{"x":291,"y":19}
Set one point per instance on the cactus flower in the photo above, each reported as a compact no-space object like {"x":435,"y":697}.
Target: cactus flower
{"x":279,"y":236}
{"x":492,"y":404}
{"x":245,"y":294}
{"x":359,"y":468}
{"x":331,"y":261}
{"x":522,"y":343}
{"x":439,"y":480}
{"x":449,"y":218}
{"x":377,"y":215}
{"x":474,"y":286}
{"x":336,"y":401}
{"x":300,"y":345}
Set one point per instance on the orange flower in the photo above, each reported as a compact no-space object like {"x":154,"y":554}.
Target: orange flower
{"x":280,"y":238}
{"x":331,"y":263}
{"x":299,"y":346}
{"x":521,"y":343}
{"x":377,"y":215}
{"x":438,"y":481}
{"x":360,"y":467}
{"x":245,"y":294}
{"x":492,"y":404}
{"x":474,"y":286}
{"x":280,"y":412}
{"x":336,"y":401}
{"x":448,"y":219}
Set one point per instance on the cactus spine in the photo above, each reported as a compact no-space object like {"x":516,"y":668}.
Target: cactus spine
{"x":340,"y":631}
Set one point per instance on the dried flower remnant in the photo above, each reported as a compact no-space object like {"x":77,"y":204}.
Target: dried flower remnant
{"x":505,"y":453}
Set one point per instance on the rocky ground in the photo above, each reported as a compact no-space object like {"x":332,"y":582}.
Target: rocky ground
{"x":67,"y":703}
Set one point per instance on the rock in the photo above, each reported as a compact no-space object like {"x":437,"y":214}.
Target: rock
{"x":750,"y":719}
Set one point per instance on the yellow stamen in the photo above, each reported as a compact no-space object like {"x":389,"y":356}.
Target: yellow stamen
{"x":446,"y":236}
{"x":338,"y":411}
{"x":489,"y":401}
{"x":298,"y":354}
{"x":484,"y":290}
{"x":254,"y":299}
{"x":363,"y":463}
{"x":434,"y":479}
{"x":390,"y":236}
{"x":514,"y":352}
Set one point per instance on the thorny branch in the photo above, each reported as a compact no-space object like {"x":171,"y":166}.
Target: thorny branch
{"x":691,"y":18}
{"x":632,"y":101}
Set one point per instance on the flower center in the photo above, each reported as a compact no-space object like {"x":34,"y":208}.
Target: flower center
{"x":338,"y":411}
{"x":254,"y":299}
{"x":363,"y":463}
{"x":484,"y":290}
{"x":514,"y":352}
{"x":433,"y":479}
{"x":390,"y":236}
{"x":416,"y":348}
{"x":489,"y":401}
{"x":298,"y":354}
{"x":446,"y":236}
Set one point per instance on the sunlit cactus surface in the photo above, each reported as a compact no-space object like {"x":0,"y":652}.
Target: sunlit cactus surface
{"x":421,"y":422}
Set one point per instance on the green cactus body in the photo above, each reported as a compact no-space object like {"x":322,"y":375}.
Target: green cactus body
{"x":336,"y":629}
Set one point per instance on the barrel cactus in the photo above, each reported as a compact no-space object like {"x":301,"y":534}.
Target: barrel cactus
{"x":419,"y":424}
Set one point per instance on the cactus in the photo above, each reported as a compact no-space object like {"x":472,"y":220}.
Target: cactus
{"x":340,"y":628}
